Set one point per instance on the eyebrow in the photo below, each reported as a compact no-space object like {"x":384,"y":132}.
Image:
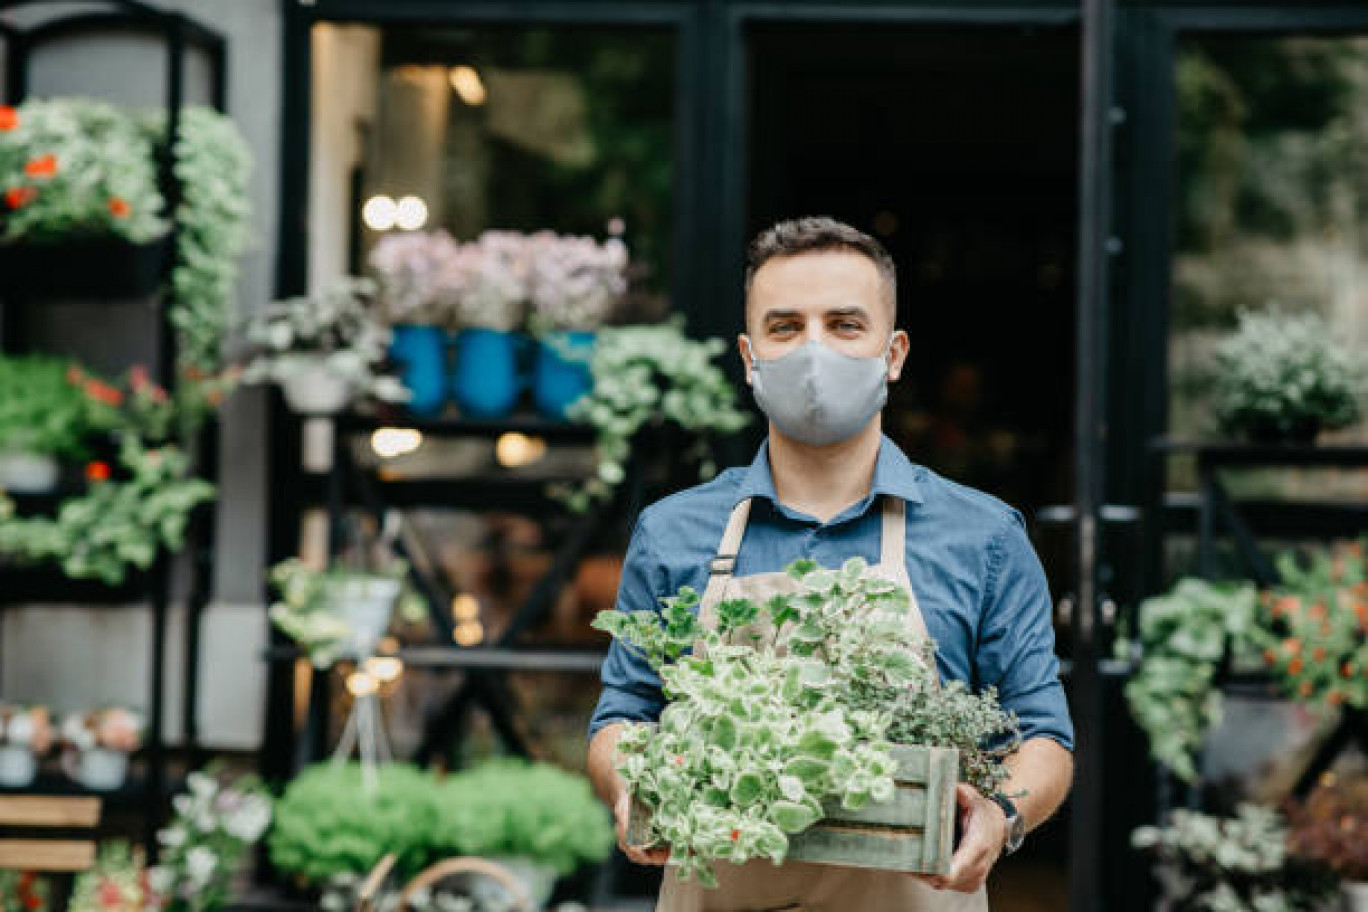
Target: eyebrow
{"x":851,"y":311}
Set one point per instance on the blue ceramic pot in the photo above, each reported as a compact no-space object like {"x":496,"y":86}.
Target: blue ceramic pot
{"x":485,"y":383}
{"x":562,"y":374}
{"x":421,"y":350}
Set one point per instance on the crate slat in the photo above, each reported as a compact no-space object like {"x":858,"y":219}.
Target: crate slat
{"x":913,"y":832}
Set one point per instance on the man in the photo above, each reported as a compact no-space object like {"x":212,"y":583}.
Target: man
{"x":820,"y":347}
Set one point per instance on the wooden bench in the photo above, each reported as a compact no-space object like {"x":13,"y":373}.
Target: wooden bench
{"x":67,"y":851}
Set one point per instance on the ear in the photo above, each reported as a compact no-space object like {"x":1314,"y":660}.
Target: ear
{"x":744,"y":347}
{"x":898,"y":348}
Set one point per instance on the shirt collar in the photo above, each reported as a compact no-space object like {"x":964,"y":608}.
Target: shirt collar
{"x":894,"y":474}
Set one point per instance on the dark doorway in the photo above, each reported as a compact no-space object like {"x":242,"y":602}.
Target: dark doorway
{"x":958,"y":149}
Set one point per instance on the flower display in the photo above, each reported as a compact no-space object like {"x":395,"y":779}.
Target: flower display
{"x":573,"y":282}
{"x":216,"y":823}
{"x":29,"y":727}
{"x":415,"y":271}
{"x":77,"y":167}
{"x":335,"y":328}
{"x":111,"y":728}
{"x":117,"y":882}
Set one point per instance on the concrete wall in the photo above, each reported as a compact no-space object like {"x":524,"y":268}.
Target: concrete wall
{"x":72,"y":656}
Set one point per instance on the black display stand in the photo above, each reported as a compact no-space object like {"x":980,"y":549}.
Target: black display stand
{"x":1214,"y":512}
{"x":139,"y":267}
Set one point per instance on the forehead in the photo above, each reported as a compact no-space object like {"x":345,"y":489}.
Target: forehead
{"x":816,"y":281}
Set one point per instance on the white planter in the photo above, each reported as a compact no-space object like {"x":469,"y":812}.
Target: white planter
{"x":1355,"y":895}
{"x":101,"y":769}
{"x":27,"y":473}
{"x":367,"y":606}
{"x":537,"y":880}
{"x":17,"y":766}
{"x":311,"y":388}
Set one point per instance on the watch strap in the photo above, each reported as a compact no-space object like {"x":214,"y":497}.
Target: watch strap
{"x":1016,"y":831}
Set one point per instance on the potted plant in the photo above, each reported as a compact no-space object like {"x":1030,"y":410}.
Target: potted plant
{"x":43,"y":416}
{"x":118,"y":523}
{"x":215,"y":825}
{"x":1239,"y":862}
{"x":117,"y":882}
{"x":413,"y":270}
{"x":1328,"y":828}
{"x":537,"y":821}
{"x":1314,"y":628}
{"x":488,"y":290}
{"x":651,"y":375}
{"x":82,"y":213}
{"x":328,"y":824}
{"x":574,"y":284}
{"x":1285,"y":377}
{"x":1181,"y":638}
{"x":760,"y":753}
{"x":341,"y":612}
{"x":99,"y":744}
{"x":323,"y":350}
{"x":25,"y":736}
{"x":24,"y":891}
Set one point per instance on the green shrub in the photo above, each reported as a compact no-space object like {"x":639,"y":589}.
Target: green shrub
{"x":516,"y":808}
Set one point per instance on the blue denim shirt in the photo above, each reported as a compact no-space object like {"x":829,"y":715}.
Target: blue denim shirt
{"x":977,"y":579}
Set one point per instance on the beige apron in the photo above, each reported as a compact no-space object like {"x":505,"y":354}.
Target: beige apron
{"x":758,"y":885}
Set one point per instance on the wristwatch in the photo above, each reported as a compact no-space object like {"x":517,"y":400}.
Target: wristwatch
{"x":1016,"y":824}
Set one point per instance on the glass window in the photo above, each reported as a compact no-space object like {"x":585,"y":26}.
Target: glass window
{"x":1272,"y":151}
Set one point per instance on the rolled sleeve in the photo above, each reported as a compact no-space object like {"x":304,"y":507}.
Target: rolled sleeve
{"x":631,"y":689}
{"x":1016,"y":649}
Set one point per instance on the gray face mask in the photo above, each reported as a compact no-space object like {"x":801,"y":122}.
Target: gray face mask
{"x":818,"y":395}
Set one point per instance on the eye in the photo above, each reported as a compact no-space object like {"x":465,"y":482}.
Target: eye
{"x":847,"y":326}
{"x":786,"y":326}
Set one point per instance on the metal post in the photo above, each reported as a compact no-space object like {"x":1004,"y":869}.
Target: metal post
{"x":1095,"y":247}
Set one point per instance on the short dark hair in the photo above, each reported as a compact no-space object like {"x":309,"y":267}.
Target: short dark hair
{"x":819,"y":233}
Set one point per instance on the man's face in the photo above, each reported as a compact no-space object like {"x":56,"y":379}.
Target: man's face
{"x":835,"y":297}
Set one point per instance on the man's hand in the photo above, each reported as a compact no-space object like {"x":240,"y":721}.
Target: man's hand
{"x":621,"y":810}
{"x":984,"y":828}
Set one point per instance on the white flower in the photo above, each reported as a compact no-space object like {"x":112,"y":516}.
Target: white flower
{"x":160,"y":879}
{"x":199,"y":865}
{"x":250,"y":819}
{"x":21,"y":729}
{"x":171,"y":836}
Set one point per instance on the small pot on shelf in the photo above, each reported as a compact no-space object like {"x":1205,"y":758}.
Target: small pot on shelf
{"x":24,"y":472}
{"x":367,"y":606}
{"x":101,"y":769}
{"x":312,"y":388}
{"x":18,"y":766}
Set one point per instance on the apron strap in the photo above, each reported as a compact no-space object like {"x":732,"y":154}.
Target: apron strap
{"x":721,"y":567}
{"x":893,"y":539}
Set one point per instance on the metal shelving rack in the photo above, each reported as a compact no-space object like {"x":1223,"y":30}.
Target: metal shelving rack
{"x":1213,"y":510}
{"x":180,"y":34}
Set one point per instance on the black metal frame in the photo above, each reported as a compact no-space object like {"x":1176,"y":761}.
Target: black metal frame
{"x":180,"y":32}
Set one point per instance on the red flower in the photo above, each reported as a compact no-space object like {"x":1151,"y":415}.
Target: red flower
{"x":137,"y":375}
{"x":1347,"y":670}
{"x":110,"y":896}
{"x":103,"y":392}
{"x":735,"y":835}
{"x":96,"y":470}
{"x":1294,"y":667}
{"x":31,"y":900}
{"x":19,"y":197}
{"x":1270,"y":656}
{"x":1318,"y":654}
{"x":74,"y":375}
{"x":42,"y":166}
{"x":9,"y":118}
{"x":119,"y":207}
{"x":1305,"y":688}
{"x":1334,"y":698}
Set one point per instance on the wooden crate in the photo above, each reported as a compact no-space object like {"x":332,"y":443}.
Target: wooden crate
{"x":912,"y":832}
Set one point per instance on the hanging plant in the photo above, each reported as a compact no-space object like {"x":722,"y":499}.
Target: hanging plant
{"x":117,"y":524}
{"x":651,"y":375}
{"x":1182,"y":636}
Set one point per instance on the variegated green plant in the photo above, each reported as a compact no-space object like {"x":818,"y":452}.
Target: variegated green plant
{"x":755,"y":740}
